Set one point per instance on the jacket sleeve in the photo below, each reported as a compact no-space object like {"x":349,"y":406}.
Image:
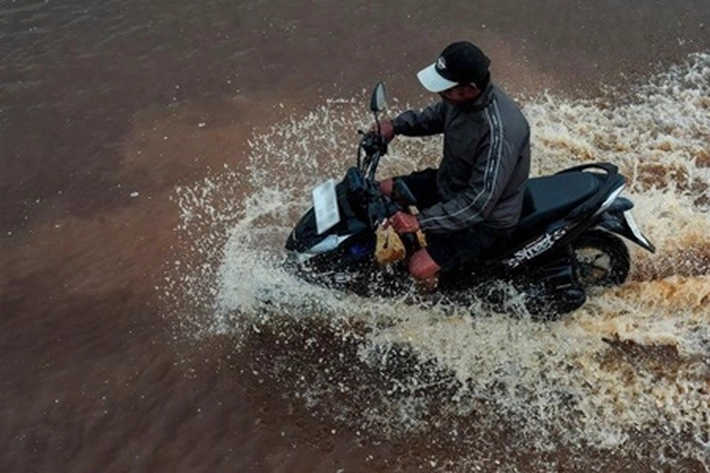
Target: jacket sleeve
{"x":429,"y":121}
{"x":495,"y":163}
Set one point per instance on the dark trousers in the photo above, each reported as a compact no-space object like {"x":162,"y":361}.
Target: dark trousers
{"x":451,"y":250}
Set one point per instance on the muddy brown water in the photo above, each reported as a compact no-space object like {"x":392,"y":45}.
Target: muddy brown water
{"x":107,"y":107}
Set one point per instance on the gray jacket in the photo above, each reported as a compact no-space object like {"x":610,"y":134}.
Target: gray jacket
{"x":486,"y":163}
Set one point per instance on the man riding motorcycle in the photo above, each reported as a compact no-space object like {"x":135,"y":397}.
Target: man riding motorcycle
{"x":475,"y":198}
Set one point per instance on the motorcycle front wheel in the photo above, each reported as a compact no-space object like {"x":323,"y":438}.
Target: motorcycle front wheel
{"x":602,"y":259}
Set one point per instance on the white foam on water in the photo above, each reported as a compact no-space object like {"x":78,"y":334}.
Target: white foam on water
{"x":633,"y":358}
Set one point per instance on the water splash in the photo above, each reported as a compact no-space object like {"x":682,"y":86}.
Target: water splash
{"x":633,"y":359}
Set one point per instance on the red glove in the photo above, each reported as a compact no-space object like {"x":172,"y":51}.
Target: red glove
{"x":386,"y":129}
{"x":404,"y":223}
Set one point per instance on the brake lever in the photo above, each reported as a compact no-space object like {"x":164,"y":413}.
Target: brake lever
{"x":372,"y":142}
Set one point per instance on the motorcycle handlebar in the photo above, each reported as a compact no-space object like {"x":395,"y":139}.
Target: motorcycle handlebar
{"x":373,"y":143}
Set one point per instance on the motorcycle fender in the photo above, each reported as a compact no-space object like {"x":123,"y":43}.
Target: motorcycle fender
{"x":622,"y":223}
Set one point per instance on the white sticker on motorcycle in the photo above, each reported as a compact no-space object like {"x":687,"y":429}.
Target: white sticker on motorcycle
{"x":542,"y":244}
{"x":325,"y":203}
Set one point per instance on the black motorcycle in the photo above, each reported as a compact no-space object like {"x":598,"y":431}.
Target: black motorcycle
{"x":565,"y":242}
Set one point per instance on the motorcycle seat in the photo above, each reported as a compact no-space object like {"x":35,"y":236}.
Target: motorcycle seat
{"x":550,"y":198}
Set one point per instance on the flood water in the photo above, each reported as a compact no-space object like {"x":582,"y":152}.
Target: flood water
{"x":154,"y":155}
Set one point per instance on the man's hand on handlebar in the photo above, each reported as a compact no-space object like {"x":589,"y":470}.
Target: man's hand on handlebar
{"x":386,"y":130}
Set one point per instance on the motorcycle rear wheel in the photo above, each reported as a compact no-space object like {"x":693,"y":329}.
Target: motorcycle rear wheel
{"x":602,"y":259}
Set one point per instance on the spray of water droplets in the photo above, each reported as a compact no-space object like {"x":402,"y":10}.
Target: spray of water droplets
{"x":633,"y":359}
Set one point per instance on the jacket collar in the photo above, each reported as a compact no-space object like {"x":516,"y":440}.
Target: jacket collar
{"x":481,"y":102}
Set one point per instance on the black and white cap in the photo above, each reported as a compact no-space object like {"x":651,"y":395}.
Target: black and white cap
{"x":460,"y":63}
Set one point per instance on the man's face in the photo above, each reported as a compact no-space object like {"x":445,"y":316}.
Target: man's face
{"x":460,"y":94}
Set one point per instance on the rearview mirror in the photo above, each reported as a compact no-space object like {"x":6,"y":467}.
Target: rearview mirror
{"x":379,"y":98}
